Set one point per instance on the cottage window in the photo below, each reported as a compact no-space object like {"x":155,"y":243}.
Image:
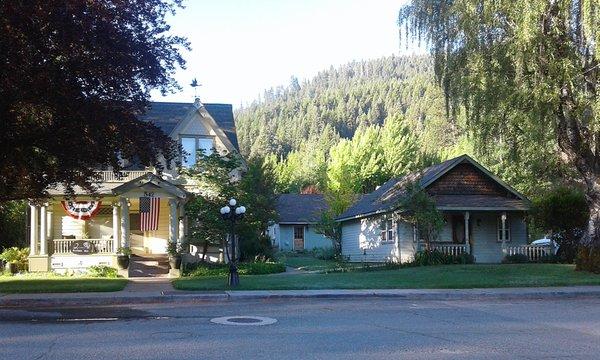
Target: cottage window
{"x":387,"y":229}
{"x":503,"y":233}
{"x":191,"y":144}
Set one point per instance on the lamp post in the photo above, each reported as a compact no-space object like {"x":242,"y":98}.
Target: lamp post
{"x":232,"y":213}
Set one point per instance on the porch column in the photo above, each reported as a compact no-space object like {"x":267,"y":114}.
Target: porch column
{"x":503,"y":221}
{"x":115,"y":227}
{"x":173,"y":221}
{"x":43,"y":229}
{"x":467,"y":239}
{"x":124,"y":222}
{"x":181,"y":238}
{"x":33,"y":230}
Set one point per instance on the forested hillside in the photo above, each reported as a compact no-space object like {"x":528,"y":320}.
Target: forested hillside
{"x":343,"y":125}
{"x":338,"y":100}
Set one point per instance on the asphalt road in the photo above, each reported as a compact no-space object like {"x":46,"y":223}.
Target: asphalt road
{"x":310,"y":329}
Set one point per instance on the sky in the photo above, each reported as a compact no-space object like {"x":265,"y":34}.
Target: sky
{"x":240,"y":47}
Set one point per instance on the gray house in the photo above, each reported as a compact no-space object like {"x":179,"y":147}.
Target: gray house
{"x":483,"y":216}
{"x":295,"y":230}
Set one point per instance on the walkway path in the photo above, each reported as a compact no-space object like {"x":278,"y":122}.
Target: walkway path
{"x":158,"y":285}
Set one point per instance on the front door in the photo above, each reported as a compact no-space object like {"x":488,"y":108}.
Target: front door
{"x":298,"y":238}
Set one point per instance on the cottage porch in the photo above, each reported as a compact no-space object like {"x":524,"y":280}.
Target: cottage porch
{"x":471,"y":232}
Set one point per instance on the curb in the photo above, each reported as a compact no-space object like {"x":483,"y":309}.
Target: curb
{"x":107,"y":301}
{"x":433,"y":295}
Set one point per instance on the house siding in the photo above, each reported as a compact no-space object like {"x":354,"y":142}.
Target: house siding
{"x":486,"y":247}
{"x":312,"y":239}
{"x":361,"y":241}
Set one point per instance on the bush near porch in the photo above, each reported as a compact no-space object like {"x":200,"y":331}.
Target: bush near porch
{"x":248,"y":268}
{"x":53,"y":283}
{"x":420,"y":277}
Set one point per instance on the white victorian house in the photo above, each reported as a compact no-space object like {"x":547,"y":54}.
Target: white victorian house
{"x":137,"y":208}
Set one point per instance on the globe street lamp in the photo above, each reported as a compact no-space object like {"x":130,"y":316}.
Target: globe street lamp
{"x":232,"y":213}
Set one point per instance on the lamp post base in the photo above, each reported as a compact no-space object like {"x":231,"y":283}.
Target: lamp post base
{"x":234,"y":277}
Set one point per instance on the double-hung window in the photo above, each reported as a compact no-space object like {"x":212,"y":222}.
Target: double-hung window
{"x":387,"y":229}
{"x":191,"y":144}
{"x":503,"y":232}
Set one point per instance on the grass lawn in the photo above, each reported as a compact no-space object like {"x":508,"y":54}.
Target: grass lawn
{"x":426,"y":277}
{"x":50,"y":284}
{"x":307,"y":262}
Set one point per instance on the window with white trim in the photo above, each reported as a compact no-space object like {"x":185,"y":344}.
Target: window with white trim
{"x":387,"y":229}
{"x":191,"y":144}
{"x":503,"y":233}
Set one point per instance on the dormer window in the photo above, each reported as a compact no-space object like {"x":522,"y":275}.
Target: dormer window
{"x":191,"y":144}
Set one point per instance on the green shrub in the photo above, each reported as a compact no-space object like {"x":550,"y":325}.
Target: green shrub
{"x":251,"y":268}
{"x":102,"y":271}
{"x":515,"y":259}
{"x":435,"y":257}
{"x":17,"y":256}
{"x":550,"y":259}
{"x":588,"y":260}
{"x":325,"y":253}
{"x":261,"y":268}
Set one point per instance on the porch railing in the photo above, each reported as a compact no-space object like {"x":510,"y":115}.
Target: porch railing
{"x":123,"y":176}
{"x":65,"y":246}
{"x":450,"y":249}
{"x":533,"y":252}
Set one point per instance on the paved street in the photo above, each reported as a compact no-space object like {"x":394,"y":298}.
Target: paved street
{"x":310,"y":328}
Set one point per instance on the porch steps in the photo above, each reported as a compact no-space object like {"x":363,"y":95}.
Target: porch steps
{"x":149,"y":267}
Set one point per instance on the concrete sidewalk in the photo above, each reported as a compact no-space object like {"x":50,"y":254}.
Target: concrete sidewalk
{"x":126,"y":297}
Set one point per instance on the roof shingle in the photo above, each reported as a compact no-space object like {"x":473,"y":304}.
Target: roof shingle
{"x":300,"y":208}
{"x":166,"y":115}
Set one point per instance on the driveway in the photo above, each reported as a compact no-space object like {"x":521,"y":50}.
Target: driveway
{"x":310,"y":329}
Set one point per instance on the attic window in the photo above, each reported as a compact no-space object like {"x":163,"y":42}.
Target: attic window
{"x":191,"y":144}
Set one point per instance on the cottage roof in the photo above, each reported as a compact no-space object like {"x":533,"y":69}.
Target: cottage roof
{"x":166,"y":115}
{"x":387,"y":196}
{"x":300,"y":208}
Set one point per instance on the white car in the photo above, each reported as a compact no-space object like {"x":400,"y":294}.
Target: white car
{"x":546,"y":242}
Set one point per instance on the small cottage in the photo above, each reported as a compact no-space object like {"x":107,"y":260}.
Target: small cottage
{"x":295,"y":230}
{"x":483,"y":216}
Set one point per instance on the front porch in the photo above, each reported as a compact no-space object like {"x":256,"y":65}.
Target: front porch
{"x":61,"y":241}
{"x":488,"y":235}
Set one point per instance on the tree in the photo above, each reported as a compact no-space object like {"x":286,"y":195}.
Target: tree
{"x":257,"y":193}
{"x":564,"y":213}
{"x":418,"y":209}
{"x":74,"y":76}
{"x":255,"y":190}
{"x":213,"y":176}
{"x":13,"y":218}
{"x":524,"y":72}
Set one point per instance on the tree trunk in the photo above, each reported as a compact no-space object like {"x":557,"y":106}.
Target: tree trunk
{"x":204,"y":250}
{"x":578,"y":144}
{"x":591,"y":238}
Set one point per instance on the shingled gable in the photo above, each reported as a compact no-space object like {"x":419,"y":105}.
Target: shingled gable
{"x":469,"y":187}
{"x":170,"y":115}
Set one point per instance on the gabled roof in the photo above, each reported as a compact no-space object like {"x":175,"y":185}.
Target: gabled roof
{"x":154,"y":182}
{"x":387,"y":196}
{"x":300,"y":208}
{"x":167,"y":115}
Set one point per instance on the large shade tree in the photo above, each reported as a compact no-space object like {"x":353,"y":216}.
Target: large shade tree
{"x":74,"y":75}
{"x":525,"y":72}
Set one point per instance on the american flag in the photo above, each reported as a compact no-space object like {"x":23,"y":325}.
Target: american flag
{"x":149,"y":207}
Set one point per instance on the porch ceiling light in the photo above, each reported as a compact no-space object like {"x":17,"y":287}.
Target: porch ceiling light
{"x":232,"y":202}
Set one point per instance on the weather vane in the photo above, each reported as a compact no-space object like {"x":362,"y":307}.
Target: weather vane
{"x":195,"y":84}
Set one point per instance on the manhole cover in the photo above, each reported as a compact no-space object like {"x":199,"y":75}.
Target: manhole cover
{"x":244,"y":320}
